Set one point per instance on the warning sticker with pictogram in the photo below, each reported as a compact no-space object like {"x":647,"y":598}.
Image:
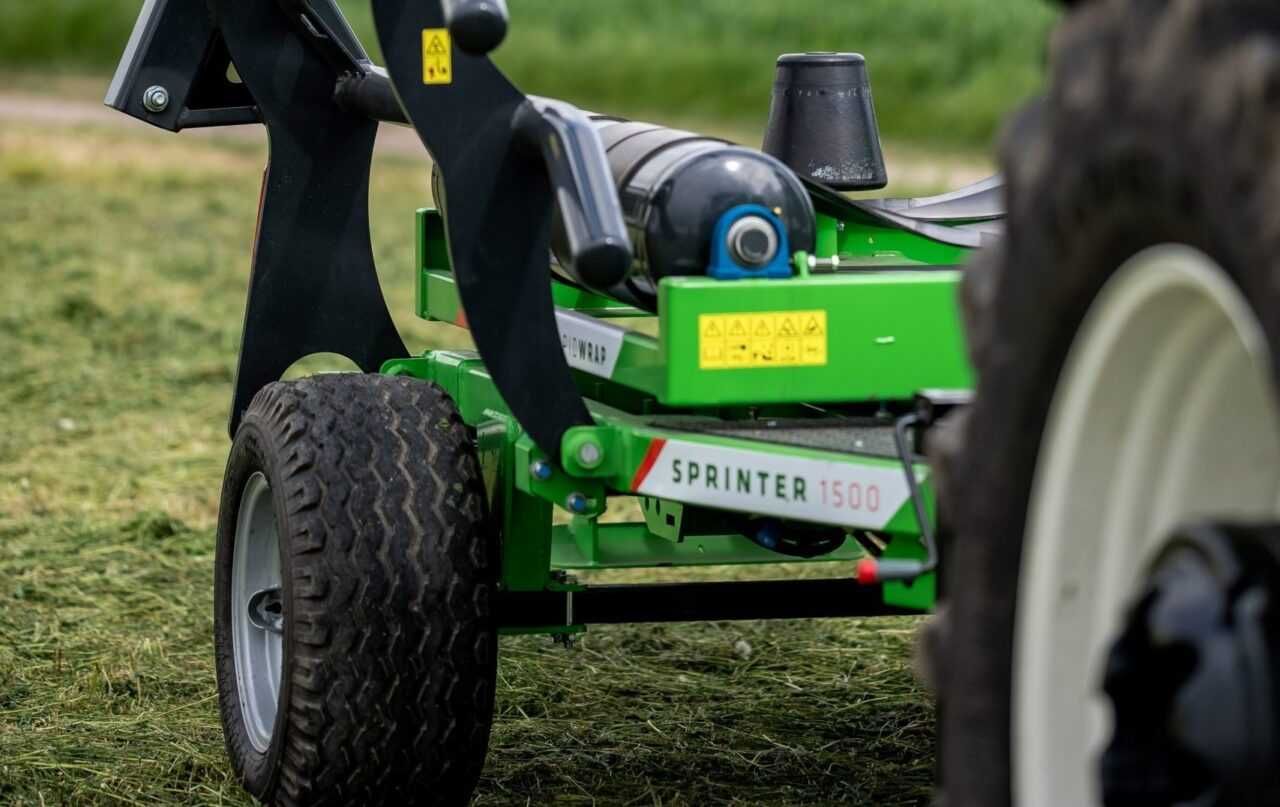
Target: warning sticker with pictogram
{"x":762,"y":339}
{"x":437,"y":56}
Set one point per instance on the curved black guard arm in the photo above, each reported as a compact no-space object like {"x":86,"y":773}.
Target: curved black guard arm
{"x":313,"y":286}
{"x":498,"y":211}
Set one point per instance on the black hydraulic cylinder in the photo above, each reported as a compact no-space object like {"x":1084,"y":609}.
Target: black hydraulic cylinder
{"x":673,"y":187}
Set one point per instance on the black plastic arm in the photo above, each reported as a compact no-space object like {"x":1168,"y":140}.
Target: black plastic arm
{"x":498,"y":203}
{"x":599,"y":249}
{"x":478,"y":26}
{"x":313,"y":286}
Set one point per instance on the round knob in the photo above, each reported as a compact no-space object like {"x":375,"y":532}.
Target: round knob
{"x":478,"y":26}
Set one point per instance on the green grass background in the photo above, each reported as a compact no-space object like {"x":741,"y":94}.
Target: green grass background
{"x":943,"y":71}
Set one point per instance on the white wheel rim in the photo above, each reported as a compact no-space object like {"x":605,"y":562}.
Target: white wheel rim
{"x":258,"y":652}
{"x":1164,"y":413}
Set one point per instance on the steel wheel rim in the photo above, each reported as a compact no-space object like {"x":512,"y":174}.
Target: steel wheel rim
{"x":258,"y":651}
{"x":1165,"y":413}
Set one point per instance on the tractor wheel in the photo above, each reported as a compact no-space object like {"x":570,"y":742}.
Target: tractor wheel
{"x":355,"y":567}
{"x":1122,"y":334}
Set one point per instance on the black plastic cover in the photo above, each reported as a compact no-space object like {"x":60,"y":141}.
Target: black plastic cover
{"x":822,"y":120}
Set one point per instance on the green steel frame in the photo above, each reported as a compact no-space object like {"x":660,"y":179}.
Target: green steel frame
{"x":886,"y":327}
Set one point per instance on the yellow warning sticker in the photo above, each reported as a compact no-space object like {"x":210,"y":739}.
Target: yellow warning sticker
{"x":437,"y":56}
{"x":762,"y":339}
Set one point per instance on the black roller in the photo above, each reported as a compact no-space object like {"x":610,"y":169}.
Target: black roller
{"x":675,"y":186}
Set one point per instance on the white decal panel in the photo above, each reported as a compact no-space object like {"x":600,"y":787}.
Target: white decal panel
{"x":813,"y":490}
{"x":589,"y":344}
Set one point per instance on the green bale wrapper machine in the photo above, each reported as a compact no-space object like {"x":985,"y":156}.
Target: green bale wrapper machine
{"x":715,"y":331}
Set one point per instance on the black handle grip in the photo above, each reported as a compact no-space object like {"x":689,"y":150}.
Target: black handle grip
{"x":599,"y":249}
{"x":478,"y":26}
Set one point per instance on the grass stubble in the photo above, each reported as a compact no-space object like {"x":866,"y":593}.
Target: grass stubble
{"x":124,"y":263}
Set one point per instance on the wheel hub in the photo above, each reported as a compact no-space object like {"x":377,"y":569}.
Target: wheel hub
{"x":257,"y":611}
{"x":1192,"y":677}
{"x":266,"y":611}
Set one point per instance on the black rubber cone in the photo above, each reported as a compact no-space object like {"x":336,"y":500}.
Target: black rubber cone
{"x":822,"y":120}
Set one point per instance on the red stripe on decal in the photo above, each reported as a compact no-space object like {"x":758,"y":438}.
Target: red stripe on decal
{"x":646,"y":465}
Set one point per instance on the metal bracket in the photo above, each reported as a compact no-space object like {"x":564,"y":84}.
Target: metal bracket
{"x":313,"y":287}
{"x":174,"y":73}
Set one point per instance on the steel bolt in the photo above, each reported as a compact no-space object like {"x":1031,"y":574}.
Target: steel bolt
{"x":156,"y":98}
{"x":577,"y":502}
{"x":589,"y":454}
{"x":541,"y":469}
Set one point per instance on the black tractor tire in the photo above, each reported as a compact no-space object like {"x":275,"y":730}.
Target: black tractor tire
{"x":388,"y":569}
{"x":1161,"y":125}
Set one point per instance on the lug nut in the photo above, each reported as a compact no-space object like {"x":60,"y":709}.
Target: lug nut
{"x":155,"y":98}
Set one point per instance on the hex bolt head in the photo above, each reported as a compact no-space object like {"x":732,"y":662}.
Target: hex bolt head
{"x":577,"y":503}
{"x":155,"y":98}
{"x":541,"y":469}
{"x":590,"y":454}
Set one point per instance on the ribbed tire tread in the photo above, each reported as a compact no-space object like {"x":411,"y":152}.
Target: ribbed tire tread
{"x":390,"y":571}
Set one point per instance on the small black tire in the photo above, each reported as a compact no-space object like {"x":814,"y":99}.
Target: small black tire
{"x":388,"y":567}
{"x":1159,"y":127}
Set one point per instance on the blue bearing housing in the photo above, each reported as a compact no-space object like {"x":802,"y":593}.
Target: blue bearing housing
{"x":726,"y":265}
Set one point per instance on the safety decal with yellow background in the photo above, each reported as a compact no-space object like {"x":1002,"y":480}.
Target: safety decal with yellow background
{"x":437,"y":56}
{"x":762,"y":339}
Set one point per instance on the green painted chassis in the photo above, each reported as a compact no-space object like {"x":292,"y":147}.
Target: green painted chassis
{"x":893,"y":331}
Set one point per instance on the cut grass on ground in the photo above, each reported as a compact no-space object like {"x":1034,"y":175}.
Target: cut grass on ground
{"x":125,"y":259}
